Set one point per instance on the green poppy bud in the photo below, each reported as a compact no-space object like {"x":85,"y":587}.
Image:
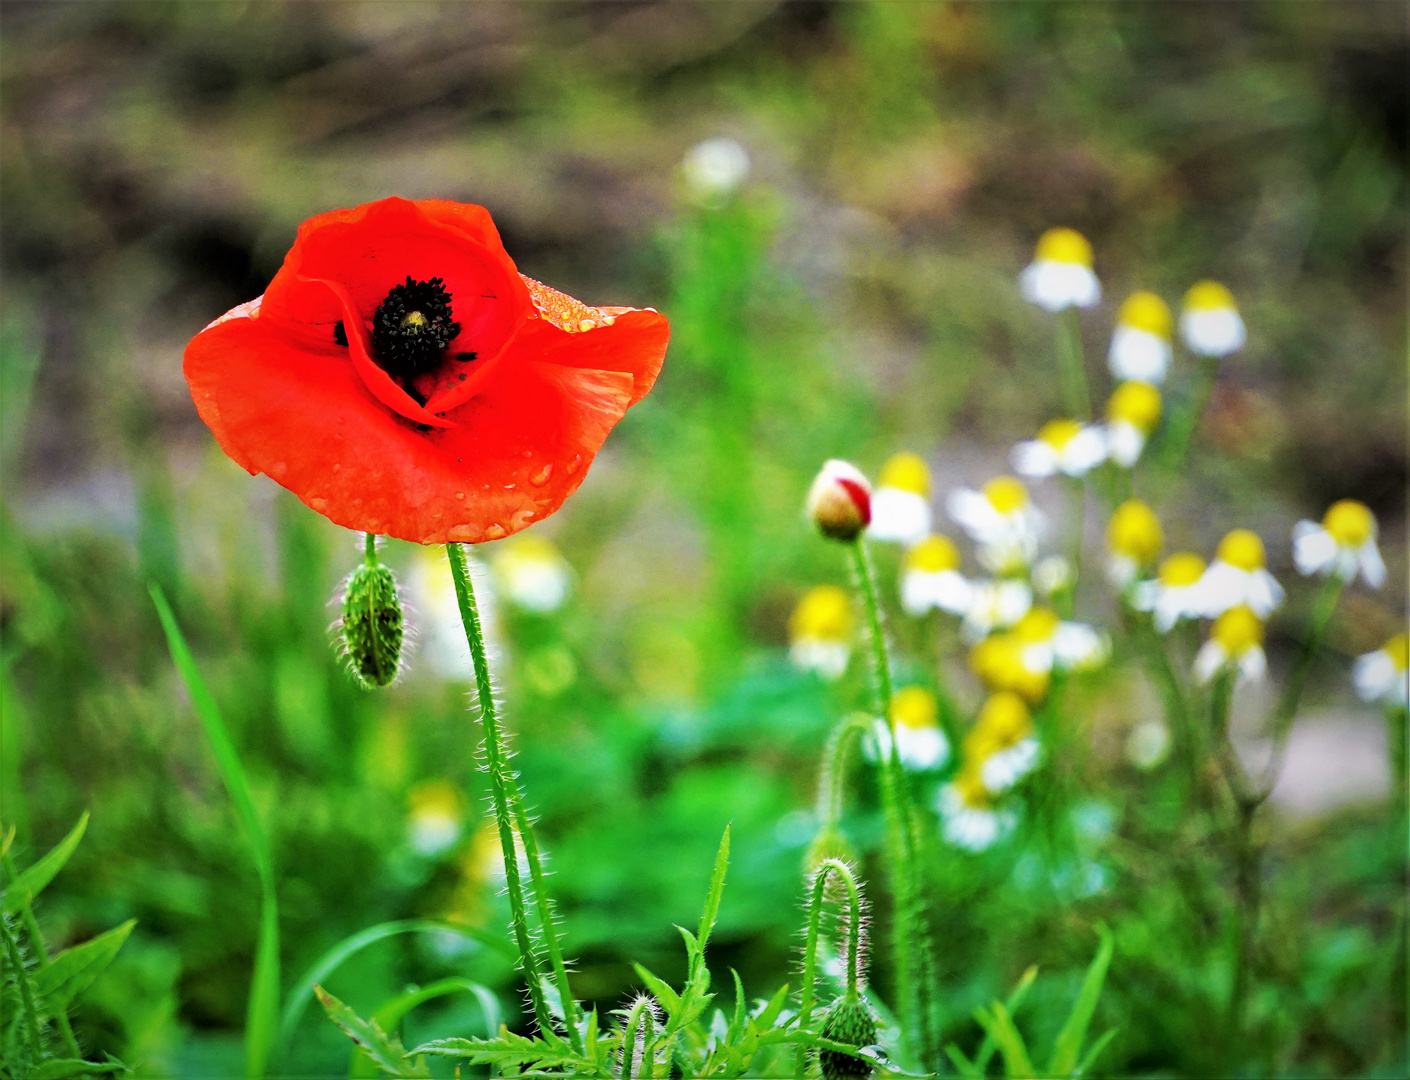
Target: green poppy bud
{"x":849,"y":1021}
{"x":372,"y":626}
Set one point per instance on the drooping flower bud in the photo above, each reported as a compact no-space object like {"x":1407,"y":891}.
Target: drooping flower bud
{"x":849,"y":1021}
{"x":372,"y":626}
{"x":839,"y":502}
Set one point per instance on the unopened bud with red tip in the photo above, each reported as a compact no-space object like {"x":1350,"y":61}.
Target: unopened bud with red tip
{"x":839,"y":502}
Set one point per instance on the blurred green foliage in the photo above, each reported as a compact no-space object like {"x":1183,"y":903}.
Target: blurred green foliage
{"x":855,"y":298}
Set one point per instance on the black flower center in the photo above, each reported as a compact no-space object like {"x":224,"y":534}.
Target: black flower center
{"x":412,"y":327}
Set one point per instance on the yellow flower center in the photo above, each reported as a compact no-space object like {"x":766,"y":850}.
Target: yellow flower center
{"x":1003,"y":721}
{"x":435,"y":799}
{"x":1058,"y":433}
{"x":1209,"y":296}
{"x":1351,"y":523}
{"x":1005,"y":494}
{"x":906,"y":472}
{"x":998,"y":662}
{"x":1148,"y":312}
{"x":1137,"y":403}
{"x":1238,"y":630}
{"x":1039,"y":625}
{"x":933,"y":555}
{"x":915,"y":707}
{"x":1398,"y":649}
{"x":969,"y":784}
{"x":1242,"y":549}
{"x":1182,"y":569}
{"x":526,"y":550}
{"x":1134,"y":531}
{"x":824,"y":613}
{"x":1064,"y":246}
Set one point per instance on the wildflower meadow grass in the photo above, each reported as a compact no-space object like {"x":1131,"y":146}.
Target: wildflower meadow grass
{"x":765,"y":540}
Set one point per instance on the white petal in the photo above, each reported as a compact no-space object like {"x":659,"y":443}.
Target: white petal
{"x":1004,"y":768}
{"x":1210,"y":658}
{"x":1374,"y":675}
{"x":1146,"y":595}
{"x":1126,"y":442}
{"x":1121,"y":571}
{"x":1253,"y":665}
{"x":827,"y":658}
{"x":1084,"y":450}
{"x":1213,"y":332}
{"x":1139,"y":355}
{"x":1034,"y":458}
{"x":1373,"y":567}
{"x":902,"y":517}
{"x":1314,"y":549}
{"x":1078,"y":645}
{"x":921,"y":748}
{"x":974,"y":513}
{"x":953,"y":592}
{"x":1057,"y":285}
{"x":1263,"y":593}
{"x":1220,"y":588}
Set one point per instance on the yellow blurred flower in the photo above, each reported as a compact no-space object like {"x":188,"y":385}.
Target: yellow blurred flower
{"x":1002,"y":520}
{"x":1174,"y":593}
{"x":1140,"y":345}
{"x":531,"y":573}
{"x":1239,"y":576}
{"x":1062,"y":446}
{"x":820,"y":631}
{"x":966,"y":808}
{"x":1060,"y":275}
{"x":436,"y":811}
{"x":1210,"y":322}
{"x":1236,"y":638}
{"x":1343,"y":544}
{"x":1384,"y":675}
{"x":931,"y":578}
{"x":1002,"y":744}
{"x":1132,"y":413}
{"x":920,"y":744}
{"x":900,"y":505}
{"x":1134,"y":539}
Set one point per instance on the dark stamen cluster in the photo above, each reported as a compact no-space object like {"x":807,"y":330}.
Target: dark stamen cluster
{"x":411,"y":328}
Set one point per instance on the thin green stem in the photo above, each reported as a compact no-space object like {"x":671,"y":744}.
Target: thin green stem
{"x":1072,"y":365}
{"x":1183,"y":423}
{"x":832,"y":783}
{"x":12,"y":954}
{"x":1079,"y":527}
{"x":1177,"y":707}
{"x":908,"y":939}
{"x":1322,"y":612}
{"x":501,"y":781}
{"x":370,"y":549}
{"x":41,"y":954}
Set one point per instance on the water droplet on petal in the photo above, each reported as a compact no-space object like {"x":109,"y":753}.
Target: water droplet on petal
{"x":575,"y":464}
{"x":541,"y":477}
{"x":494,"y":532}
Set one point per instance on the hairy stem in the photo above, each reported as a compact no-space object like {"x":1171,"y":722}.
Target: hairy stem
{"x":833,"y":781}
{"x":1072,"y":366}
{"x":370,"y":549}
{"x":502,"y":781}
{"x":827,"y":869}
{"x":908,"y":941}
{"x":41,"y":954}
{"x":12,"y":954}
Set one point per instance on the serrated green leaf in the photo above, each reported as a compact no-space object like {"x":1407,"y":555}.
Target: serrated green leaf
{"x":32,"y":879}
{"x":391,"y":1013}
{"x":717,"y":888}
{"x":770,"y":1012}
{"x":388,"y":1053}
{"x":507,"y":1048}
{"x":661,"y":990}
{"x":63,"y":1068}
{"x":1068,"y":1047}
{"x":73,"y":970}
{"x":736,"y":1023}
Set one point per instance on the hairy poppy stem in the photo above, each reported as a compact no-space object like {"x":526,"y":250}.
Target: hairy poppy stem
{"x":509,"y":810}
{"x":909,"y":944}
{"x":827,"y":869}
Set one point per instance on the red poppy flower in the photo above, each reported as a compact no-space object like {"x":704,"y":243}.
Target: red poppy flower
{"x":400,"y":376}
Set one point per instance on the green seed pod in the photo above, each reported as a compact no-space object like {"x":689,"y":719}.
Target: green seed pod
{"x":848,"y":1021}
{"x":373,"y":626}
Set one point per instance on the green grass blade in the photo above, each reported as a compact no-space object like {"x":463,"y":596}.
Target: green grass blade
{"x":1068,"y":1047}
{"x":263,"y":1011}
{"x":301,"y":993}
{"x":1097,"y":1047}
{"x":999,"y":1024}
{"x":988,"y":1047}
{"x":30,"y":881}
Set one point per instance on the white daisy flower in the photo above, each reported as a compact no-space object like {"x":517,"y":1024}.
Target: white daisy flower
{"x":1049,"y":642}
{"x":1133,"y":539}
{"x":1236,"y":639}
{"x":995,"y":604}
{"x":969,"y":819}
{"x":820,"y":631}
{"x":900,"y":505}
{"x":1062,"y":446}
{"x":1002,"y":745}
{"x":930,"y":579}
{"x":434,"y":823}
{"x":1210,"y":321}
{"x":1140,"y":345}
{"x":1174,"y":592}
{"x":1239,"y":575}
{"x":920,"y":744}
{"x":714,"y":169}
{"x":1148,"y":744}
{"x":1001,"y":520}
{"x":1384,"y":675}
{"x":1060,"y":275}
{"x":1344,"y":544}
{"x":1132,"y":414}
{"x":531,"y":573}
